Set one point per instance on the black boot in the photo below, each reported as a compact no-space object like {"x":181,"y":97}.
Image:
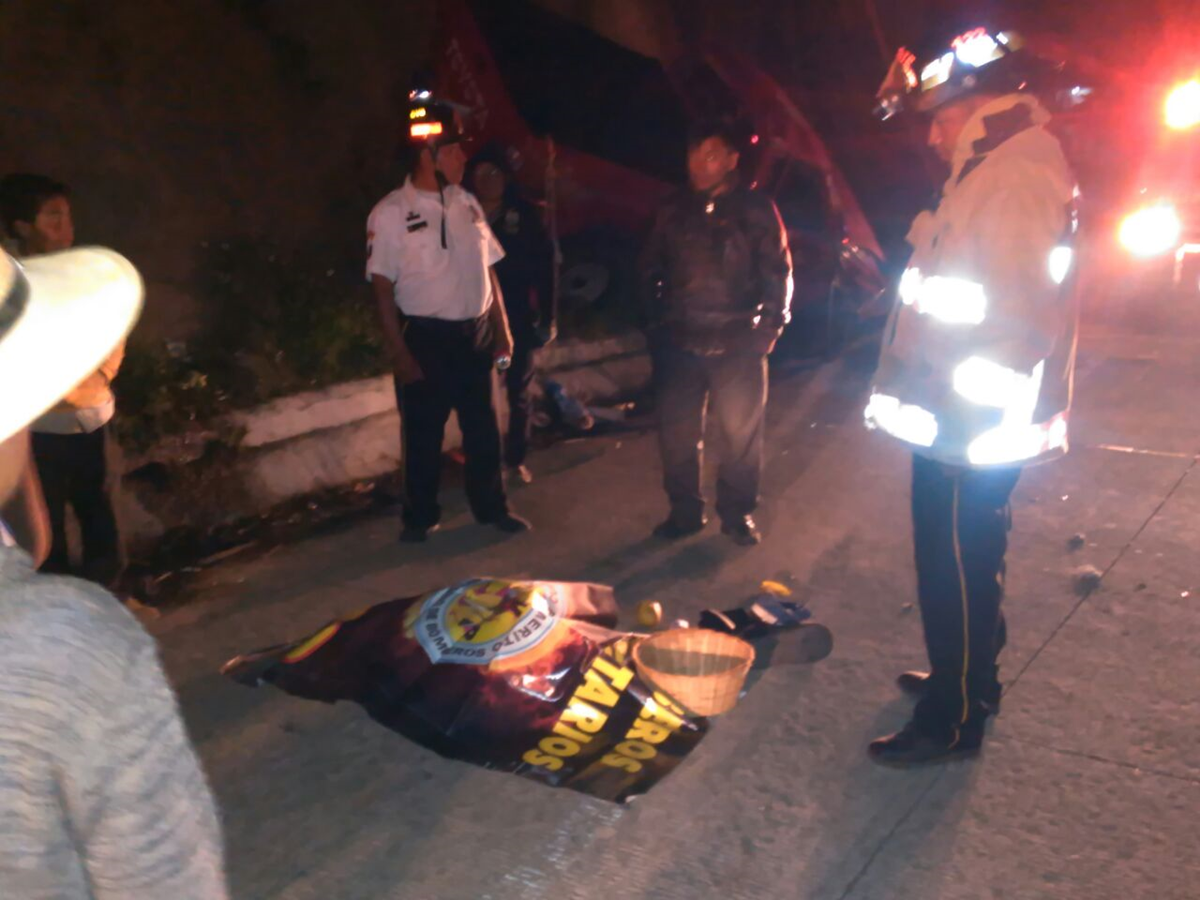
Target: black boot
{"x":914,"y":684}
{"x":510,"y":523}
{"x":674,"y":530}
{"x":415,"y":534}
{"x":743,"y":531}
{"x":913,"y":747}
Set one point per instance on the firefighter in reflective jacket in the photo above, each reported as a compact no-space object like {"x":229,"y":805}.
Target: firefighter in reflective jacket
{"x":977,"y":360}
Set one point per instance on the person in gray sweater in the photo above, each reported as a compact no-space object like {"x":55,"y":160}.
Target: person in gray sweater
{"x":101,"y":795}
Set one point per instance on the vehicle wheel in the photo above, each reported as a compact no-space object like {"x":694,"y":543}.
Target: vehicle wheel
{"x":597,"y":292}
{"x":583,"y":284}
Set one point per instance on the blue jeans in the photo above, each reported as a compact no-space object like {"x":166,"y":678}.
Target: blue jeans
{"x":733,"y":388}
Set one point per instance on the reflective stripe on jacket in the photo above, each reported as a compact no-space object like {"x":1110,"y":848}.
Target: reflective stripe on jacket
{"x":978,"y":355}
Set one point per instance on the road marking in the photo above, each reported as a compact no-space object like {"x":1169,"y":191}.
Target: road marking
{"x":1112,"y":448}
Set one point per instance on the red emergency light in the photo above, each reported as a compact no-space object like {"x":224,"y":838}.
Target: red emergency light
{"x":1151,"y":230}
{"x":1182,"y":109}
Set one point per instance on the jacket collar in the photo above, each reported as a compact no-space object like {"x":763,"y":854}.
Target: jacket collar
{"x":700,"y":200}
{"x":991,"y":126}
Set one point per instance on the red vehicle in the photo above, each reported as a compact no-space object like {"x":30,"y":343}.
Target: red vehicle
{"x":1137,"y":149}
{"x":597,"y":132}
{"x":1161,"y":223}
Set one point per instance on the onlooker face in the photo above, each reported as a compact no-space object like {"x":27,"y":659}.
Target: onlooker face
{"x":51,"y":230}
{"x":710,"y":163}
{"x":489,"y":182}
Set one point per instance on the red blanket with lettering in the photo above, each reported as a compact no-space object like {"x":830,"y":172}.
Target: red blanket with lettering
{"x":520,"y":676}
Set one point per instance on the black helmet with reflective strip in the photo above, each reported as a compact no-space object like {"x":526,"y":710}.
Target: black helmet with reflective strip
{"x":977,"y":60}
{"x":431,"y":122}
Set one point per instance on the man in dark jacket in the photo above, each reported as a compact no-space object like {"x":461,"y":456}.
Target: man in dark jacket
{"x":717,"y":281}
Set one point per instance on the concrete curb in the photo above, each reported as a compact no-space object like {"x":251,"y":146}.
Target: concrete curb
{"x":322,"y":439}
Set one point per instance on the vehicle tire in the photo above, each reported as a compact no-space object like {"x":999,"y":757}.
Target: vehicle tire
{"x":584,"y":283}
{"x":597,"y":285}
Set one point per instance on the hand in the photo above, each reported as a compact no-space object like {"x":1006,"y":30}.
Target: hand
{"x":764,"y":340}
{"x":546,"y":334}
{"x":405,"y":365}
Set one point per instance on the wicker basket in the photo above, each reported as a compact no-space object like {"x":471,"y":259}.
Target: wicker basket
{"x":704,"y":670}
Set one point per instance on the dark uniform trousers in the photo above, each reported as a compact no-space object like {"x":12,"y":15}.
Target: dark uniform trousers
{"x":961,"y":520}
{"x":517,"y":381}
{"x":733,"y":386}
{"x":73,"y":469}
{"x":457,"y":360}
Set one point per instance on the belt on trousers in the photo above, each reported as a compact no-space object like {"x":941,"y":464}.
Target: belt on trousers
{"x":459,"y":327}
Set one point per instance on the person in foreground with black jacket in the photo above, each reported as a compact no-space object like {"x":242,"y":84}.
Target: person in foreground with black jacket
{"x":716,"y":276}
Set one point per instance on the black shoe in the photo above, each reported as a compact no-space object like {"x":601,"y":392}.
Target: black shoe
{"x":511,"y":524}
{"x":916,"y":684}
{"x":414,"y":534}
{"x":808,"y":642}
{"x":912,"y":747}
{"x":743,"y":531}
{"x":672,"y":530}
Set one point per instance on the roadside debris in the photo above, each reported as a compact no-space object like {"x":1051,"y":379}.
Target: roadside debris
{"x":649,"y":614}
{"x":1087,"y":579}
{"x":571,"y":411}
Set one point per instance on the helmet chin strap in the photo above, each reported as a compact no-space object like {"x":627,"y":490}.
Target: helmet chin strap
{"x":441,"y":183}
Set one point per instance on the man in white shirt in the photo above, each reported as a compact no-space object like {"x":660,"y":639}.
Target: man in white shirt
{"x":430,"y":254}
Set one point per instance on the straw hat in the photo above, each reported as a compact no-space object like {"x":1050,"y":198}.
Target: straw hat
{"x":61,"y":315}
